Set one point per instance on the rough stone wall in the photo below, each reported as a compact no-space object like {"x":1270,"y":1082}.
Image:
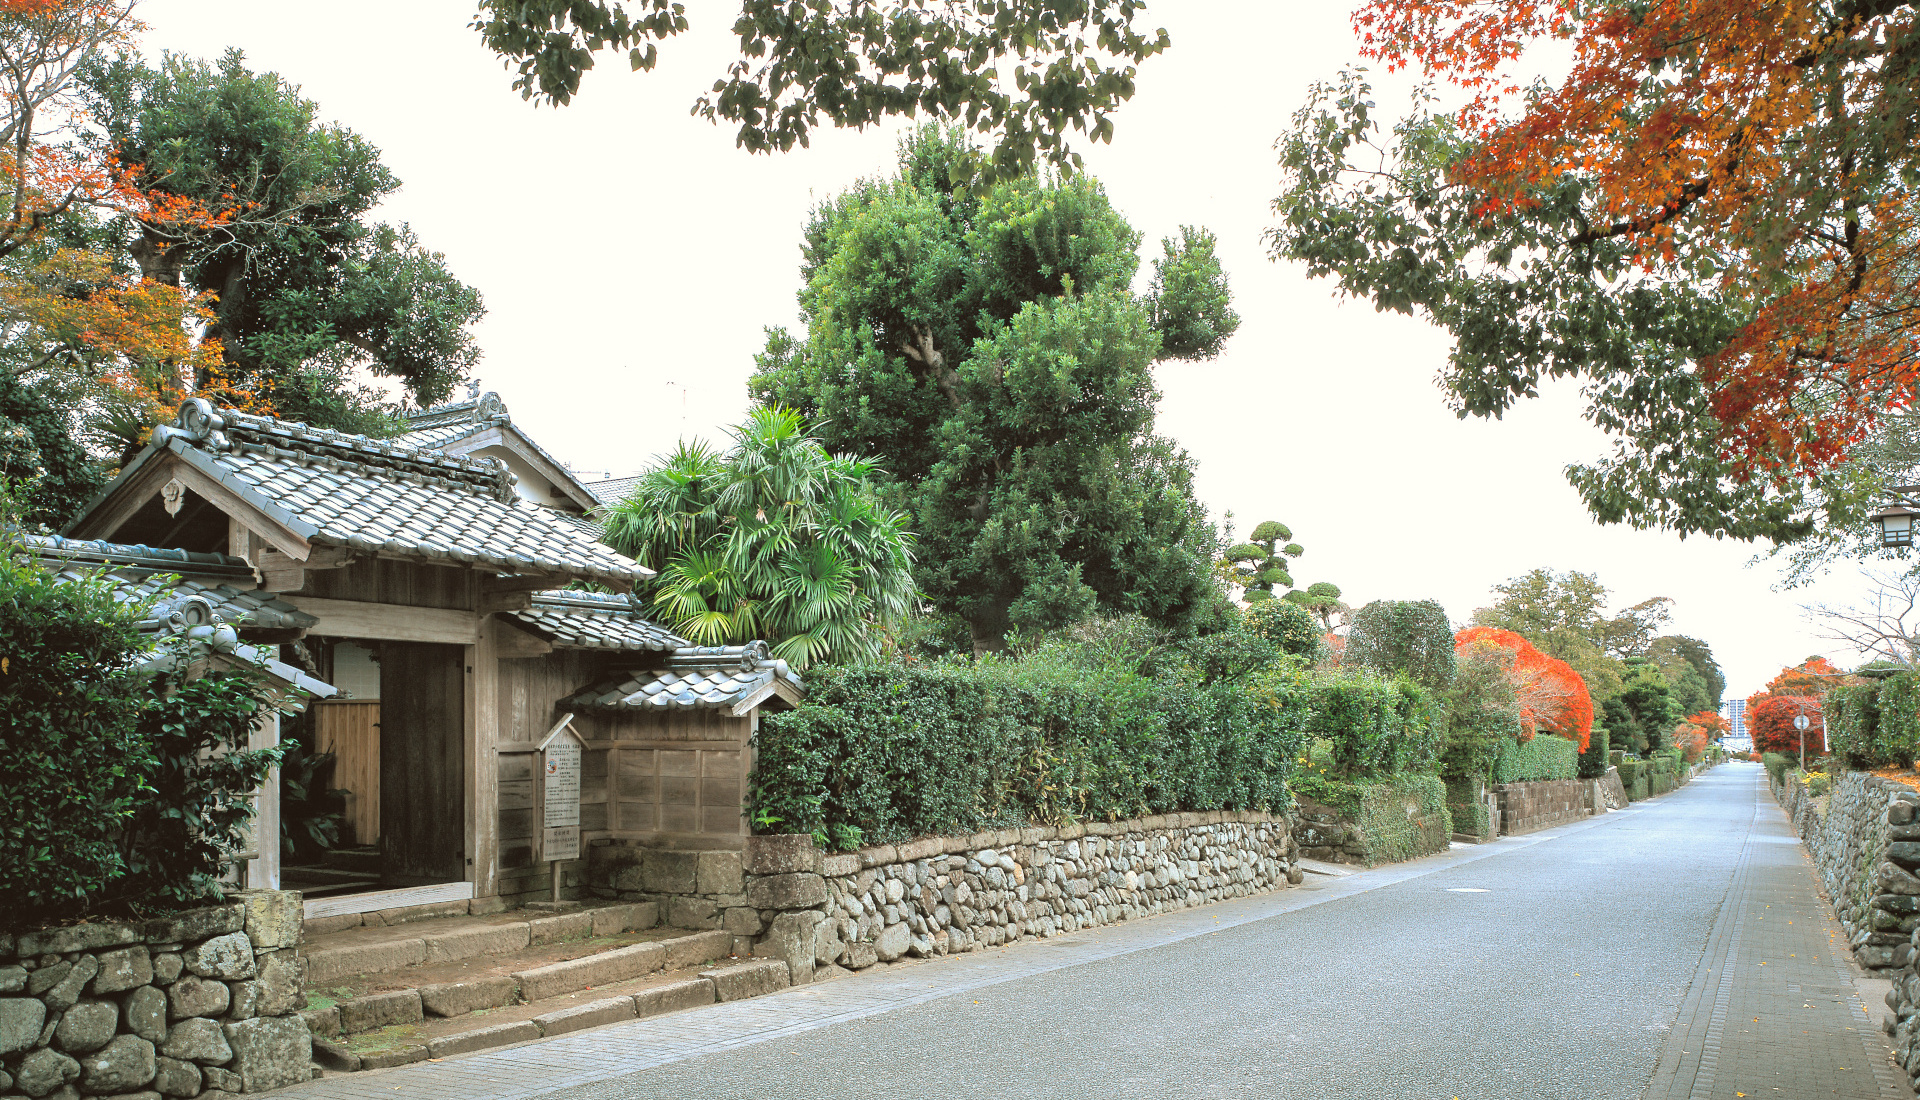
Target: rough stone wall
{"x":1611,"y":791}
{"x":1402,"y":818}
{"x":697,"y":890}
{"x":1543,"y":803}
{"x":824,"y":915}
{"x":203,"y":1003}
{"x":1865,"y":844}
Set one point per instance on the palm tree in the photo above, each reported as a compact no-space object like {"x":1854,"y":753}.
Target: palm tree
{"x":774,"y":539}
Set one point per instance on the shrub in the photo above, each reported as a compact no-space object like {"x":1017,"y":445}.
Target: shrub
{"x":1375,"y":725}
{"x":1287,"y":625}
{"x":122,"y":790}
{"x":1540,"y":758}
{"x":1482,"y":713}
{"x":1406,"y":636}
{"x":1389,"y":813}
{"x":1593,"y":762}
{"x":1898,"y":725}
{"x":1552,"y":695}
{"x":1770,"y":721}
{"x":1776,"y":764}
{"x":73,"y":766}
{"x":897,"y":751}
{"x":1852,"y":716}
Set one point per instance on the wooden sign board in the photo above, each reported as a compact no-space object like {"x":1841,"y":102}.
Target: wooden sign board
{"x":560,"y":837}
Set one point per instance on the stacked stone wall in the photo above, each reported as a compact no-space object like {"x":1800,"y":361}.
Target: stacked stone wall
{"x":692,"y":889}
{"x":198,"y":1004}
{"x":1543,"y":803}
{"x":1865,"y":842}
{"x":1401,"y":818}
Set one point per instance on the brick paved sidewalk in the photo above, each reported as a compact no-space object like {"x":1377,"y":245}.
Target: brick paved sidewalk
{"x":1772,"y":1009}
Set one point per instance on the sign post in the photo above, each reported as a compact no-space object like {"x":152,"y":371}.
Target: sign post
{"x":560,"y":796}
{"x":1800,"y":722}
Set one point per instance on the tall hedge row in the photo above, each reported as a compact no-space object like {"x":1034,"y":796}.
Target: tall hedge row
{"x":1543,"y":757}
{"x":1875,"y":723}
{"x":889,"y":751}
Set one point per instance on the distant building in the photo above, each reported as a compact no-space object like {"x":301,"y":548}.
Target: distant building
{"x":1737,"y":715}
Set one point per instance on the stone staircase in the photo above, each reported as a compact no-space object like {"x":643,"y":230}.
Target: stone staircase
{"x":392,"y":993}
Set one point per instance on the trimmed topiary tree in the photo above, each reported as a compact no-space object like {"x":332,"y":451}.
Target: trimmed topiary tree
{"x":1286,"y":625}
{"x":1410,"y":636}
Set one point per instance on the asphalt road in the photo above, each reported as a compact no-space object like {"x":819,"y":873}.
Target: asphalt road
{"x":1548,"y":970}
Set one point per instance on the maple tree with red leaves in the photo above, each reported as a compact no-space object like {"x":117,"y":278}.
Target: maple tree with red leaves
{"x":1812,"y":677}
{"x":1711,"y":721}
{"x":1706,"y":216}
{"x":1552,"y":695}
{"x":1770,"y":721}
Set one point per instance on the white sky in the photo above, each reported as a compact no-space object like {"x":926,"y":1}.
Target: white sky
{"x":630,"y":256}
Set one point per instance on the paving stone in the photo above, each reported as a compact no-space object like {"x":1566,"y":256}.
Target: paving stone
{"x":501,"y":939}
{"x":271,"y":1052}
{"x":460,"y":998}
{"x":701,"y":947}
{"x":674,"y":997}
{"x":334,"y":1055}
{"x":748,"y":979}
{"x":605,"y":968}
{"x":580,"y":1017}
{"x":397,"y":1056}
{"x":198,"y":1040}
{"x":566,"y":926}
{"x":484,"y":1038}
{"x":378,"y":1010}
{"x":334,"y":963}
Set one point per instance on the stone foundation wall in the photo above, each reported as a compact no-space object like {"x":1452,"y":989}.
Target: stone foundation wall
{"x":1397,"y":819}
{"x":694,"y":890}
{"x":950,"y":895}
{"x":1864,"y":837}
{"x":203,"y":1003}
{"x":1543,"y":803}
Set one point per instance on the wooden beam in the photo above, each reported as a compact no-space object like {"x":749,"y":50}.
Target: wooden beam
{"x":389,"y":622}
{"x":491,"y":601}
{"x":280,"y":573}
{"x":483,"y":769}
{"x":230,"y":502}
{"x":511,"y":642}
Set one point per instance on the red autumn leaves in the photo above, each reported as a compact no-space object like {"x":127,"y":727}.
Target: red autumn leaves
{"x":1553,"y":697}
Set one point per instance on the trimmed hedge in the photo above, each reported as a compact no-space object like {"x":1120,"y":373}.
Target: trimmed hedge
{"x":1853,"y":723}
{"x":1897,"y":729}
{"x":887,"y":752}
{"x":1544,"y":757}
{"x":1398,"y":817}
{"x":1377,"y":726}
{"x":1777,"y":765}
{"x":1594,"y":762}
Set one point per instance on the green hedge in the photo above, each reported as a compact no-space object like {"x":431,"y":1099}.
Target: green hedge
{"x":1397,"y":818}
{"x":1777,"y":765}
{"x":886,"y":752}
{"x":1897,"y":725}
{"x":1376,"y":725}
{"x":1544,"y":757}
{"x":1593,"y":762}
{"x":1466,"y":807}
{"x":1852,"y":716}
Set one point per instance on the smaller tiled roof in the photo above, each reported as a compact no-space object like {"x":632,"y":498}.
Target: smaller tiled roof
{"x":592,"y":620}
{"x":385,"y":498}
{"x":145,"y":573}
{"x":613,"y":490}
{"x":733,"y":679}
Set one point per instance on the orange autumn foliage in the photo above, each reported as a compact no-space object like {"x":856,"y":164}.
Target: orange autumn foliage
{"x":1552,"y":695}
{"x":1761,"y":147}
{"x":1814,"y":676}
{"x":1770,"y":721}
{"x":1711,"y":721}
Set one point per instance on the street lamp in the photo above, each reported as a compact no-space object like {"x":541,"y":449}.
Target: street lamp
{"x":1896,"y":521}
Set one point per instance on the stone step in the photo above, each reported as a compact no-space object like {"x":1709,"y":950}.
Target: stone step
{"x":413,"y":995}
{"x":332,"y":956}
{"x":424,"y":1035}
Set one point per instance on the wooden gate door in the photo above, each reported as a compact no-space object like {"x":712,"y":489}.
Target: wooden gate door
{"x":350,"y":730}
{"x":423,"y":817}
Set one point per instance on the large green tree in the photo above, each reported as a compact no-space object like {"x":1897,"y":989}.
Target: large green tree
{"x":773,"y":539}
{"x":1027,"y":71}
{"x":987,"y":348}
{"x":308,"y":287}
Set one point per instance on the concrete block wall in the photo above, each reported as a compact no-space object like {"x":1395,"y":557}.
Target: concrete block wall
{"x":198,"y":1004}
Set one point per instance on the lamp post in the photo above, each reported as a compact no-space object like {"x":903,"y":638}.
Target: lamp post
{"x":1895,"y":521}
{"x":1800,"y":722}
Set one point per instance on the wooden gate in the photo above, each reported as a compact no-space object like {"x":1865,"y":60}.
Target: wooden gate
{"x":350,"y":730}
{"x":422,"y":763}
